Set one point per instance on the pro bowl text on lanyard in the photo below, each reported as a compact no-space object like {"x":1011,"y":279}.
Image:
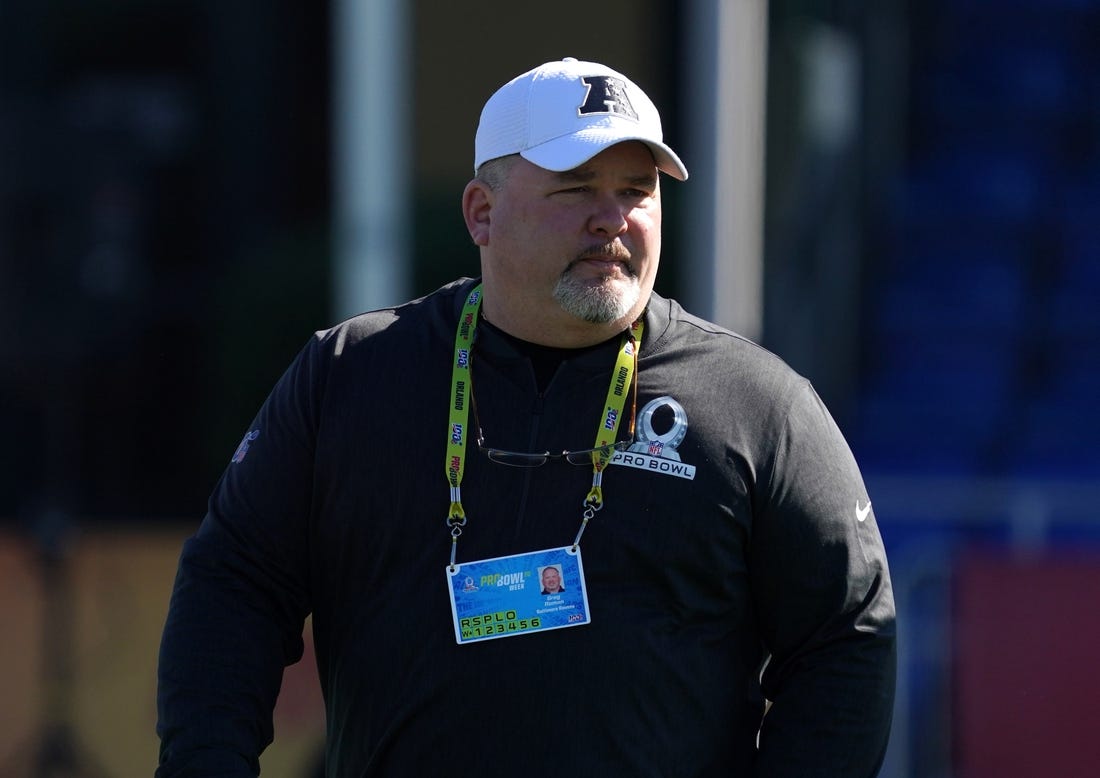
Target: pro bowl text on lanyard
{"x":540,"y":590}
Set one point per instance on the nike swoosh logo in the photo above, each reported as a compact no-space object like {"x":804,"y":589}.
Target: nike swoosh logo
{"x":864,"y":512}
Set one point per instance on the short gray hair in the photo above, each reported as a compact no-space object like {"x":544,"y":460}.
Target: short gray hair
{"x":494,"y":172}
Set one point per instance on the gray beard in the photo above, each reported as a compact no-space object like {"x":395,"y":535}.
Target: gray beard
{"x":594,"y":302}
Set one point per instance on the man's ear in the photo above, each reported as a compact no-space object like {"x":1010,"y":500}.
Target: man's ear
{"x":477,"y":202}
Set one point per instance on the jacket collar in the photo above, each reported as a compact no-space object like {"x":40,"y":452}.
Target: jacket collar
{"x":490,"y":341}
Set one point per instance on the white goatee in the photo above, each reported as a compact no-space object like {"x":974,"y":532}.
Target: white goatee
{"x":597,"y":301}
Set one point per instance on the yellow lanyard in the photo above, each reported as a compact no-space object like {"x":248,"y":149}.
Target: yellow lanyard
{"x":458,"y":422}
{"x":458,"y":425}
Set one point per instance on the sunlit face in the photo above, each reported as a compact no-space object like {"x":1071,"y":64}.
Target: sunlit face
{"x":551,"y":580}
{"x":566,"y":251}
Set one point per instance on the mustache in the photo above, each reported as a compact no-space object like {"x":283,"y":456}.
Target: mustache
{"x":613,"y":250}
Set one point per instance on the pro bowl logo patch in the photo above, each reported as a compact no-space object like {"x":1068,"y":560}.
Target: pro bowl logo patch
{"x":656,"y":452}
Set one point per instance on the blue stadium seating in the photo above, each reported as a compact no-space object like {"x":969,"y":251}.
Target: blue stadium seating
{"x":983,"y":329}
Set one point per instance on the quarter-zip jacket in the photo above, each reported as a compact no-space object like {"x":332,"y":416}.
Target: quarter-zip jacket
{"x":762,"y":576}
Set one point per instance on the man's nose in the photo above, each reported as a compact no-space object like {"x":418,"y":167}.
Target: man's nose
{"x":609,"y":216}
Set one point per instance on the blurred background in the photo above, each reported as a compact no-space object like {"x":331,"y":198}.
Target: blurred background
{"x":901,"y":198}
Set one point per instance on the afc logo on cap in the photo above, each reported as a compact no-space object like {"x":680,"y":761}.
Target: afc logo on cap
{"x":606,"y":94}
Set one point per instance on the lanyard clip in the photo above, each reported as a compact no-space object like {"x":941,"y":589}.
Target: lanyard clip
{"x":456,"y":516}
{"x":594,"y":499}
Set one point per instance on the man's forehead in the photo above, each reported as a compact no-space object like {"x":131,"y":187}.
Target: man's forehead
{"x":631,"y":170}
{"x":588,"y":173}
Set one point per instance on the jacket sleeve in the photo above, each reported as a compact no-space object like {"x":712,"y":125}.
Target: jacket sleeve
{"x":241,"y":593}
{"x":824,"y":604}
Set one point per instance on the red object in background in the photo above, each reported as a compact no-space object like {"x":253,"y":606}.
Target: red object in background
{"x":1027,"y":666}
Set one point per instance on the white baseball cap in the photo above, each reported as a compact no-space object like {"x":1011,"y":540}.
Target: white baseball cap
{"x":561,"y":114}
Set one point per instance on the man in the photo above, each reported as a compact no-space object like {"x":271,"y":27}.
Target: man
{"x":713,"y":525}
{"x":551,"y":580}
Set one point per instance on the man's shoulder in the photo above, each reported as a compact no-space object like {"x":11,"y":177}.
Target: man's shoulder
{"x":415,"y":321}
{"x":680,"y":332}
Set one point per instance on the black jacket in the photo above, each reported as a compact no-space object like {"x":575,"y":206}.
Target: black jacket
{"x":337,"y":507}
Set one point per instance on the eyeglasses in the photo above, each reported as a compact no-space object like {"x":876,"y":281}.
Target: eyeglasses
{"x":580,"y":457}
{"x":519,"y":459}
